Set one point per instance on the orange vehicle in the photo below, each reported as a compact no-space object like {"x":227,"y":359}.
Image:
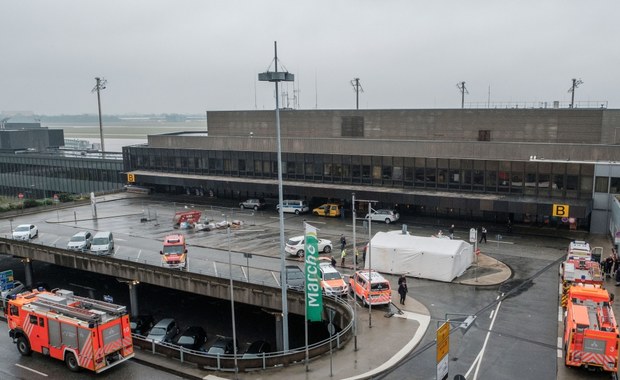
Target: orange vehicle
{"x":590,"y":330}
{"x":582,"y":270}
{"x":174,"y":253}
{"x":371,"y":287}
{"x":327,"y":209}
{"x":83,"y":332}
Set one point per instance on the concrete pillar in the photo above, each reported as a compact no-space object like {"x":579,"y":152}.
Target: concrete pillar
{"x":28,"y":272}
{"x":279,"y":340}
{"x":133,"y":297}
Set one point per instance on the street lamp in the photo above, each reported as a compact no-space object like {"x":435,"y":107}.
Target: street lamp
{"x":101,"y":85}
{"x":232,"y":296}
{"x":276,"y":77}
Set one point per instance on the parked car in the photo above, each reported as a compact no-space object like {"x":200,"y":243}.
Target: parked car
{"x":295,"y":246}
{"x":103,"y":243}
{"x":192,"y":338}
{"x":253,"y":203}
{"x":295,"y":278}
{"x":257,"y":349}
{"x":141,"y":324}
{"x":294,"y":206}
{"x":383,"y":215}
{"x":163,"y":331}
{"x":223,"y":346}
{"x":80,"y":241}
{"x":25,"y":232}
{"x":332,"y":282}
{"x":17,"y":288}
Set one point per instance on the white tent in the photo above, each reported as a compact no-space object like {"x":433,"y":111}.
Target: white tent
{"x":425,"y":257}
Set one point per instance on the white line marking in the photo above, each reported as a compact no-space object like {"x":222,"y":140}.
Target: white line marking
{"x":490,"y":316}
{"x":559,"y":353}
{"x":138,"y":257}
{"x":275,"y":278}
{"x":121,"y":239}
{"x":32,"y":370}
{"x":54,"y":242}
{"x":244,"y":274}
{"x":559,"y":342}
{"x":560,"y":288}
{"x":215,"y":269}
{"x":560,"y":313}
{"x":478,"y":359}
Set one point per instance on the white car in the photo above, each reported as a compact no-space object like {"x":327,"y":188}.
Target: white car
{"x":295,"y":246}
{"x":25,"y":232}
{"x":383,"y":215}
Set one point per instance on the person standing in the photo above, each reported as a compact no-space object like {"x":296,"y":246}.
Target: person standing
{"x":343,"y":255}
{"x":451,"y":230}
{"x":343,"y":241}
{"x":402,"y":289}
{"x":483,"y":235}
{"x":333,"y":262}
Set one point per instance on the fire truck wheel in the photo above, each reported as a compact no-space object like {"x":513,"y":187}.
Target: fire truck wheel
{"x":71,"y":362}
{"x":23,"y":346}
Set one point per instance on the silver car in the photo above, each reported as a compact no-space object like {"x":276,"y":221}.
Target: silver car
{"x":383,"y":215}
{"x":163,"y":331}
{"x":80,"y":241}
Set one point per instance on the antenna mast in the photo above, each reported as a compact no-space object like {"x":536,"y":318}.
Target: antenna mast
{"x":463,"y":90}
{"x":357,"y":87}
{"x":576,"y":83}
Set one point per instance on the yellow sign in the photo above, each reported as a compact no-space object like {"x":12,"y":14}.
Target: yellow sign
{"x":560,"y":211}
{"x":131,"y":177}
{"x":443,"y":341}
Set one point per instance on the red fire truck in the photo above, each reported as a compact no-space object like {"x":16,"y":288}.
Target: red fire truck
{"x":83,"y":332}
{"x":590,"y":329}
{"x":174,"y":252}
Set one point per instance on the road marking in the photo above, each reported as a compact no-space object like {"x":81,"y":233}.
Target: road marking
{"x":560,"y":313}
{"x":215,"y":269}
{"x":492,"y":313}
{"x":478,"y":359}
{"x":244,"y":274}
{"x":560,"y":289}
{"x":560,"y":347}
{"x":139,"y":252}
{"x":32,"y":370}
{"x":275,"y":278}
{"x":119,"y":239}
{"x":54,"y":242}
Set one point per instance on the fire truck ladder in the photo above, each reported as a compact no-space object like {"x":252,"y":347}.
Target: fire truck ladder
{"x":70,"y":311}
{"x":108,"y":307}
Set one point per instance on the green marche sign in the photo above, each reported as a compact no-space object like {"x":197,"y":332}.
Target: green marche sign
{"x":314,"y":297}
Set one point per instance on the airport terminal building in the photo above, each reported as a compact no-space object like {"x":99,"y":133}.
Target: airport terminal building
{"x":478,"y":164}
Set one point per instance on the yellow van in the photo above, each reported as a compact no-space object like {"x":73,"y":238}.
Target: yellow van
{"x":327,"y":209}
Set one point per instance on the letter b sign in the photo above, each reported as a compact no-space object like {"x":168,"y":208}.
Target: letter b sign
{"x":560,"y":211}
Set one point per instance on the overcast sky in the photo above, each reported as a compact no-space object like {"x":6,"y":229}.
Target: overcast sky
{"x":195,"y":55}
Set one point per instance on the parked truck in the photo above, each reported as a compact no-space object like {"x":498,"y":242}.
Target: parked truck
{"x":174,"y":252}
{"x":590,"y":329}
{"x":83,"y":332}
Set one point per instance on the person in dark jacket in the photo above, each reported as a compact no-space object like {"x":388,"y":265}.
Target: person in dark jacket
{"x":402,"y":290}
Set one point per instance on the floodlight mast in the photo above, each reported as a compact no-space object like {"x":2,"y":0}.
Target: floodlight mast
{"x":463,"y":90}
{"x":576,"y":83}
{"x":357,"y":87}
{"x":276,"y":77}
{"x":101,"y":85}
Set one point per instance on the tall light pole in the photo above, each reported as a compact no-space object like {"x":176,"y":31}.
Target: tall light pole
{"x":101,"y":84}
{"x":576,"y":83}
{"x":232,"y":297}
{"x":276,"y":77}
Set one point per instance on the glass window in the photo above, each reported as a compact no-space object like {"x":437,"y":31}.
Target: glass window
{"x":601,"y":184}
{"x":69,"y":335}
{"x":615,"y":185}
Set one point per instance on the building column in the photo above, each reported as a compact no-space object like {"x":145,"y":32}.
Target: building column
{"x":279,"y":340}
{"x":133,"y":297}
{"x":28,"y":271}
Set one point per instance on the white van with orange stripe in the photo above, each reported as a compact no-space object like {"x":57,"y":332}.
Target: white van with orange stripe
{"x":371,"y":287}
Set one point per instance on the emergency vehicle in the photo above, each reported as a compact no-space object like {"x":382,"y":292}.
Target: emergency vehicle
{"x":174,"y":252}
{"x":371,"y":287}
{"x":83,"y":332}
{"x":582,"y":270}
{"x":590,"y":329}
{"x":332,"y":282}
